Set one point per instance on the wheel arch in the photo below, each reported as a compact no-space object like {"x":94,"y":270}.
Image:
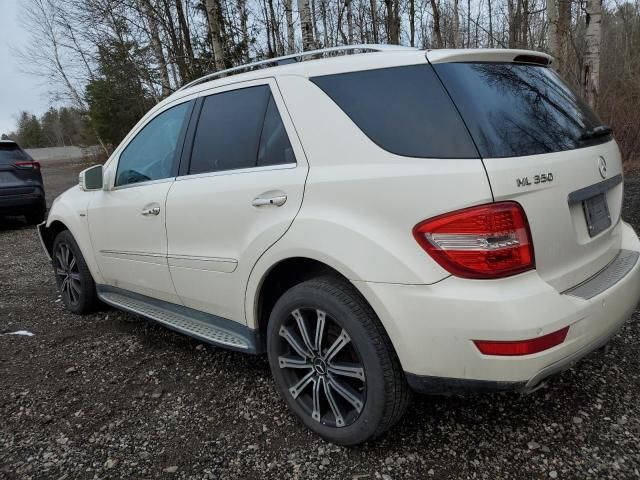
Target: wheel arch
{"x":50,"y":232}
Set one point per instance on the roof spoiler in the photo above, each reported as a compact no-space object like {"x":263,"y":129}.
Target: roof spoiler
{"x":489,"y":55}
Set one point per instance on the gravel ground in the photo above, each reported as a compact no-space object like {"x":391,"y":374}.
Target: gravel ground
{"x":113,"y":396}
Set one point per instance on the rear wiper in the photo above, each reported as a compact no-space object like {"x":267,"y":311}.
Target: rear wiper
{"x":601,"y":131}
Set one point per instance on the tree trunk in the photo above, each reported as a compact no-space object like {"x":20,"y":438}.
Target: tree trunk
{"x":186,"y":34}
{"x":455,"y":27}
{"x":288,"y":11}
{"x":156,"y":47}
{"x":390,"y":22}
{"x":491,"y":43}
{"x":436,"y":23}
{"x":374,"y":20}
{"x":274,"y":30}
{"x":412,"y":23}
{"x":244,"y":31}
{"x":591,"y":67}
{"x":552,"y":15}
{"x":305,"y":24}
{"x":214,"y":17}
{"x":563,"y":33}
{"x":349,"y":21}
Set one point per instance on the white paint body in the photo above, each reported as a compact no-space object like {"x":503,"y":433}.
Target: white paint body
{"x":352,"y":206}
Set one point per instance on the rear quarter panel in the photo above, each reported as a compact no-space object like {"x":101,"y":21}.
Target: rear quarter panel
{"x":361,"y":202}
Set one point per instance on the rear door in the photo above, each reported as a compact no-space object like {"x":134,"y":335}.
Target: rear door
{"x":543,"y":147}
{"x":240,"y":191}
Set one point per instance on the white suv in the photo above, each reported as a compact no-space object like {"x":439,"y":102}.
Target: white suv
{"x":375,"y":219}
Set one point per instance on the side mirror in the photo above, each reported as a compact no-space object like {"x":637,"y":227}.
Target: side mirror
{"x":91,"y":178}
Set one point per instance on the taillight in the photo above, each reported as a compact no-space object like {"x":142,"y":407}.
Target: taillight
{"x":488,"y":241}
{"x":28,"y":164}
{"x":521,"y":347}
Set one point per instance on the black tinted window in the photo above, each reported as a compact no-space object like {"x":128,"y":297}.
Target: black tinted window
{"x":151,"y":154}
{"x":404,"y":110}
{"x":10,"y":152}
{"x":274,"y":148}
{"x":229,"y":128}
{"x":514,"y":109}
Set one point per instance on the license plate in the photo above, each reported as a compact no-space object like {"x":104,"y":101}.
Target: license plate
{"x":6,"y":178}
{"x":596,"y":212}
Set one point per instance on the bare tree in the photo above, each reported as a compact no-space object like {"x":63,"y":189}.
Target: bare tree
{"x":306,"y":25}
{"x":214,"y":18}
{"x":591,"y":64}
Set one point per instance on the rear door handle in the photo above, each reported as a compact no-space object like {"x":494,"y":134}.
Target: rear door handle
{"x":276,"y":201}
{"x":150,"y":211}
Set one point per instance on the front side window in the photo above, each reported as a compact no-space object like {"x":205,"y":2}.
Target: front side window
{"x":518,"y":109}
{"x":151,"y":154}
{"x":239,"y":129}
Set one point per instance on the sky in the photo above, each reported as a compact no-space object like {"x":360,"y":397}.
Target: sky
{"x":18,"y":91}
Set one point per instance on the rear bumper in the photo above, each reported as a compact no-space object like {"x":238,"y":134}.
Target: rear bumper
{"x":432,"y":326}
{"x":10,"y":203}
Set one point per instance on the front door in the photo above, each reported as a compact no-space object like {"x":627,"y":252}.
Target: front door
{"x":127,"y":220}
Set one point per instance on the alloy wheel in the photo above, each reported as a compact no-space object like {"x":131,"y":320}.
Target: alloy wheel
{"x":68,"y":274}
{"x":322,"y":368}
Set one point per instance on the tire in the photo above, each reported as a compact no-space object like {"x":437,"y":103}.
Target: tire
{"x":355,"y":352}
{"x":74,"y":280}
{"x":36,"y":215}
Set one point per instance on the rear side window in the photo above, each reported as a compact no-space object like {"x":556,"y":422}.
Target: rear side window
{"x":515,"y":109}
{"x":404,"y":110}
{"x":275,"y":148}
{"x":11,"y":152}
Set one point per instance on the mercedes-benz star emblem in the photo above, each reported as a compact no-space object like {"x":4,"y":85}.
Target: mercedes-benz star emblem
{"x":602,"y":167}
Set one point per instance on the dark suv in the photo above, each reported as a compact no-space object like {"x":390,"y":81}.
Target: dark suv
{"x":21,"y":189}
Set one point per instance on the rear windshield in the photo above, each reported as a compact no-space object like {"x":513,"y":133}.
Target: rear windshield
{"x":10,"y":152}
{"x":404,"y":110}
{"x":515,"y":110}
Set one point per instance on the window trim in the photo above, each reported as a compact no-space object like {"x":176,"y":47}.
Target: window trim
{"x":185,"y":160}
{"x":176,"y":155}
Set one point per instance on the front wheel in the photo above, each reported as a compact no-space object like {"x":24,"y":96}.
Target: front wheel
{"x":73,"y":277}
{"x":333,"y":362}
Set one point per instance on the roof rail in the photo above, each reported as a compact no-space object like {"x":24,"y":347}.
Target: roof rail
{"x":296,"y":57}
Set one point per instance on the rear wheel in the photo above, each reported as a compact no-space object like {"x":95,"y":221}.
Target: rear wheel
{"x":74,"y":280}
{"x":333,"y":362}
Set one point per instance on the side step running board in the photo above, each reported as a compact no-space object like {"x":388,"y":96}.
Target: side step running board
{"x":208,"y":328}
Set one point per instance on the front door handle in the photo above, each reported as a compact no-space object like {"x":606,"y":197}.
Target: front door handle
{"x":150,"y":211}
{"x":276,"y":201}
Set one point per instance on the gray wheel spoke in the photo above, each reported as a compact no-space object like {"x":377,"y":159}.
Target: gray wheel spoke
{"x":75,"y":276}
{"x":333,"y":405}
{"x":75,"y":286}
{"x":72,"y":263}
{"x":317,"y":384}
{"x":302,"y":384}
{"x":288,"y":361}
{"x":319,"y":330}
{"x":291,"y":339}
{"x":61,"y":263}
{"x":302,"y":326}
{"x":346,"y":392}
{"x":347,"y":369}
{"x":72,"y":293}
{"x":340,"y":342}
{"x":65,"y":255}
{"x":60,"y":272}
